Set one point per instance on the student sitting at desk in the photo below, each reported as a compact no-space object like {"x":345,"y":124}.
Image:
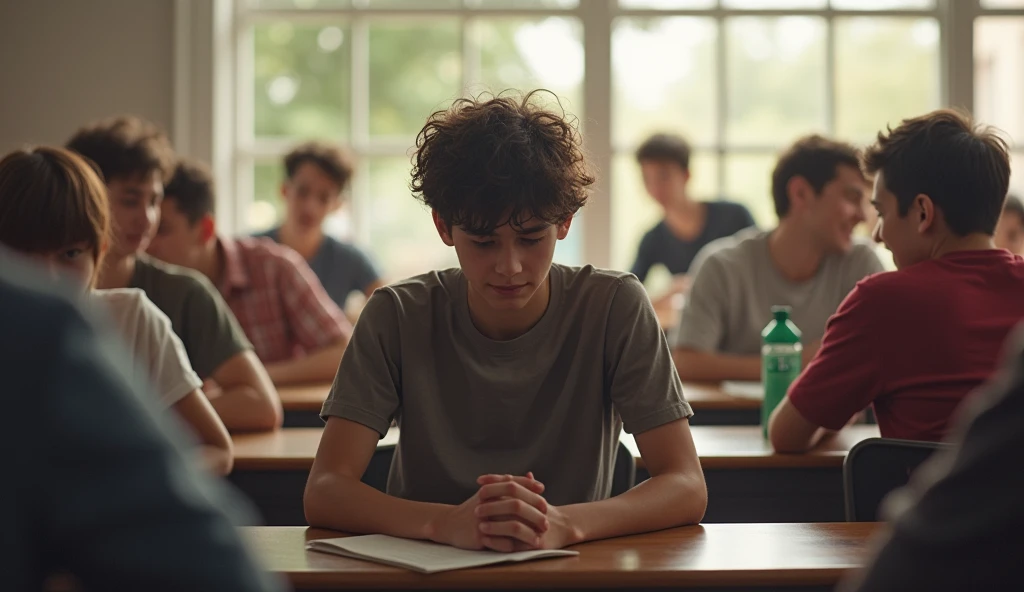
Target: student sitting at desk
{"x":914,"y":342}
{"x":688,"y":224}
{"x":53,"y":207}
{"x":317,"y":174}
{"x":810,"y":262}
{"x":136,"y":159}
{"x":508,"y":376}
{"x":298,"y":331}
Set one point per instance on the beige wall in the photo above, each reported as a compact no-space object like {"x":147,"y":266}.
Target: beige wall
{"x":66,"y":62}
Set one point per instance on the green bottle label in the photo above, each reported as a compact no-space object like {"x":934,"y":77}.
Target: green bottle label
{"x":777,"y":373}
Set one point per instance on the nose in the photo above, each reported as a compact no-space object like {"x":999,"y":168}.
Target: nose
{"x":509,"y":263}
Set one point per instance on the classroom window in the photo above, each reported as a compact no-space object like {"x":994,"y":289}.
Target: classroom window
{"x":740,"y":79}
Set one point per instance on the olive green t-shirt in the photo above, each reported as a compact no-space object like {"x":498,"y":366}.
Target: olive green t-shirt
{"x":552,"y":401}
{"x":199,"y":316}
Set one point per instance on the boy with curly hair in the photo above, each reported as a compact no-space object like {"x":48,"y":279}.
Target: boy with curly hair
{"x":510,"y":376}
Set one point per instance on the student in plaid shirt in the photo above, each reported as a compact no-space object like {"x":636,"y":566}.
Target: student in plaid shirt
{"x":297,"y":330}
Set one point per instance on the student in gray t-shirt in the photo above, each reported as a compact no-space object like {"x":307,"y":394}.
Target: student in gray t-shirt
{"x":317,"y":174}
{"x":810,"y":262}
{"x":510,"y":377}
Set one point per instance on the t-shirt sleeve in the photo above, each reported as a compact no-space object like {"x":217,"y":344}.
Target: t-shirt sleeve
{"x":364,"y":272}
{"x":211,"y":332}
{"x":844,"y":376}
{"x":645,"y":258}
{"x":702,"y":323}
{"x":314,"y":319}
{"x":367,"y":388}
{"x":643,"y":381}
{"x":161,"y":350}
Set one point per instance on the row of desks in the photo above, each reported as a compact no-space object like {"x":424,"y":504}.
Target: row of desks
{"x":711,"y":405}
{"x":747,"y":481}
{"x":704,"y":557}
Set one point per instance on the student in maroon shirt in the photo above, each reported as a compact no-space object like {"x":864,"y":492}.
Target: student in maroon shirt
{"x":914,"y":342}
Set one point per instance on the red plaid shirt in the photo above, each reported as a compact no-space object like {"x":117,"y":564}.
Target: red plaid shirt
{"x":278,"y":300}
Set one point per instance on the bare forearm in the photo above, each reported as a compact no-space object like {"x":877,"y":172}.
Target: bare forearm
{"x":349,"y":505}
{"x":708,"y":367}
{"x":218,"y":461}
{"x":246,"y":408}
{"x":319,"y":366}
{"x":663,"y":501}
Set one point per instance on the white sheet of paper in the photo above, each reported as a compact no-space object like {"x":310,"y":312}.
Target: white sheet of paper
{"x":743,"y":389}
{"x":421,"y":556}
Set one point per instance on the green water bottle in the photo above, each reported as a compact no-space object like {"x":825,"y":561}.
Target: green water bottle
{"x":781,"y":354}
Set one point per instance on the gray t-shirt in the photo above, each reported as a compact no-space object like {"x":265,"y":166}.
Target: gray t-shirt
{"x":661,"y":245}
{"x":199,"y":316}
{"x":736,"y":284}
{"x":551,"y":401}
{"x":341,"y":267}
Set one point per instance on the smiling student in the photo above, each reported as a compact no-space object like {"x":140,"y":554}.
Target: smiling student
{"x":509,"y":376}
{"x":53,"y":207}
{"x":914,"y":342}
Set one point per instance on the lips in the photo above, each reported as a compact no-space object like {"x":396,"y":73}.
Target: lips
{"x":509,"y":290}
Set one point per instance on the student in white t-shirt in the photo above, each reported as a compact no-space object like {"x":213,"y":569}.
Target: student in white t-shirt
{"x":53,"y":208}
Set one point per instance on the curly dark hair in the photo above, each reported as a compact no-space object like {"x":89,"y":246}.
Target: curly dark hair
{"x":962,"y":166}
{"x":495,"y":160}
{"x":125,"y":146}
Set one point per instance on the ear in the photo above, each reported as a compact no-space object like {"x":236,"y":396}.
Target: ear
{"x":442,"y":229}
{"x":686,"y":175}
{"x":207,"y":229}
{"x":799,"y":192}
{"x":284,"y":190}
{"x":924,"y":210}
{"x":563,"y":228}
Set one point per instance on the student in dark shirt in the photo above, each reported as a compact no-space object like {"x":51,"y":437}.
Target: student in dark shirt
{"x":688,"y":224}
{"x":958,"y":525}
{"x":317,"y":175}
{"x":96,"y":488}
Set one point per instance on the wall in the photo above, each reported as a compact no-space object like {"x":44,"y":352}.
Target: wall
{"x":66,"y":62}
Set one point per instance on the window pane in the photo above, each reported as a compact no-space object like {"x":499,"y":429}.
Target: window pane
{"x":528,"y":54}
{"x":664,"y":79}
{"x":402,"y":235}
{"x":522,"y":3}
{"x":300,"y":3}
{"x":886,"y":70}
{"x":266,"y":209}
{"x":667,"y":4}
{"x":748,"y":180}
{"x":1002,"y":3}
{"x":770,"y":4}
{"x":634,"y":212}
{"x":776,"y":79}
{"x":1017,"y":174}
{"x":882,"y":4}
{"x":301,"y":85}
{"x":408,"y":3}
{"x":998,"y":79}
{"x":415,"y":69}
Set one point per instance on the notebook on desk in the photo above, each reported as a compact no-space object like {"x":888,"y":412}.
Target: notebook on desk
{"x":422,"y":556}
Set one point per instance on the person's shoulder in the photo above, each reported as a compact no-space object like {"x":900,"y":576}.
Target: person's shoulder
{"x":342,"y":249}
{"x":425,"y":290}
{"x":738,"y":247}
{"x":263,"y":247}
{"x":158,"y":278}
{"x":130,"y":302}
{"x":655,"y":233}
{"x":728,"y":207}
{"x":588,"y":282}
{"x":31,"y":297}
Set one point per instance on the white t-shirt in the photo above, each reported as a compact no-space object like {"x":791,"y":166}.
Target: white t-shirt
{"x":146,"y":331}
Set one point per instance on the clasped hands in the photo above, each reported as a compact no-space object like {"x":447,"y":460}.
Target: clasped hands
{"x":508,"y":513}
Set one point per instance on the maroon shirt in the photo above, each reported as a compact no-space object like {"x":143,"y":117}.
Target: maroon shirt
{"x":914,"y":343}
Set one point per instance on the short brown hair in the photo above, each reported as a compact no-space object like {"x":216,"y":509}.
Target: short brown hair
{"x":192,"y":189}
{"x":486,"y":162}
{"x":814,"y":158}
{"x":334,"y":161}
{"x":665,"y":148}
{"x":125,"y":146}
{"x":51,"y":198}
{"x":964,"y":168}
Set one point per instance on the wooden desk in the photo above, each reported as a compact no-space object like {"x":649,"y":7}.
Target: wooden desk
{"x":711,"y":406}
{"x":707,"y":557}
{"x":747,"y":482}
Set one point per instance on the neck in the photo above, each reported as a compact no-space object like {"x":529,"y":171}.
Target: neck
{"x":305,"y":242}
{"x":685,"y":218}
{"x":115,"y":272}
{"x":795,"y":254}
{"x":505,"y":325}
{"x":955,"y":244}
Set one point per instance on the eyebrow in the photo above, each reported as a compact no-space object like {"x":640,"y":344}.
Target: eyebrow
{"x":530,"y":230}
